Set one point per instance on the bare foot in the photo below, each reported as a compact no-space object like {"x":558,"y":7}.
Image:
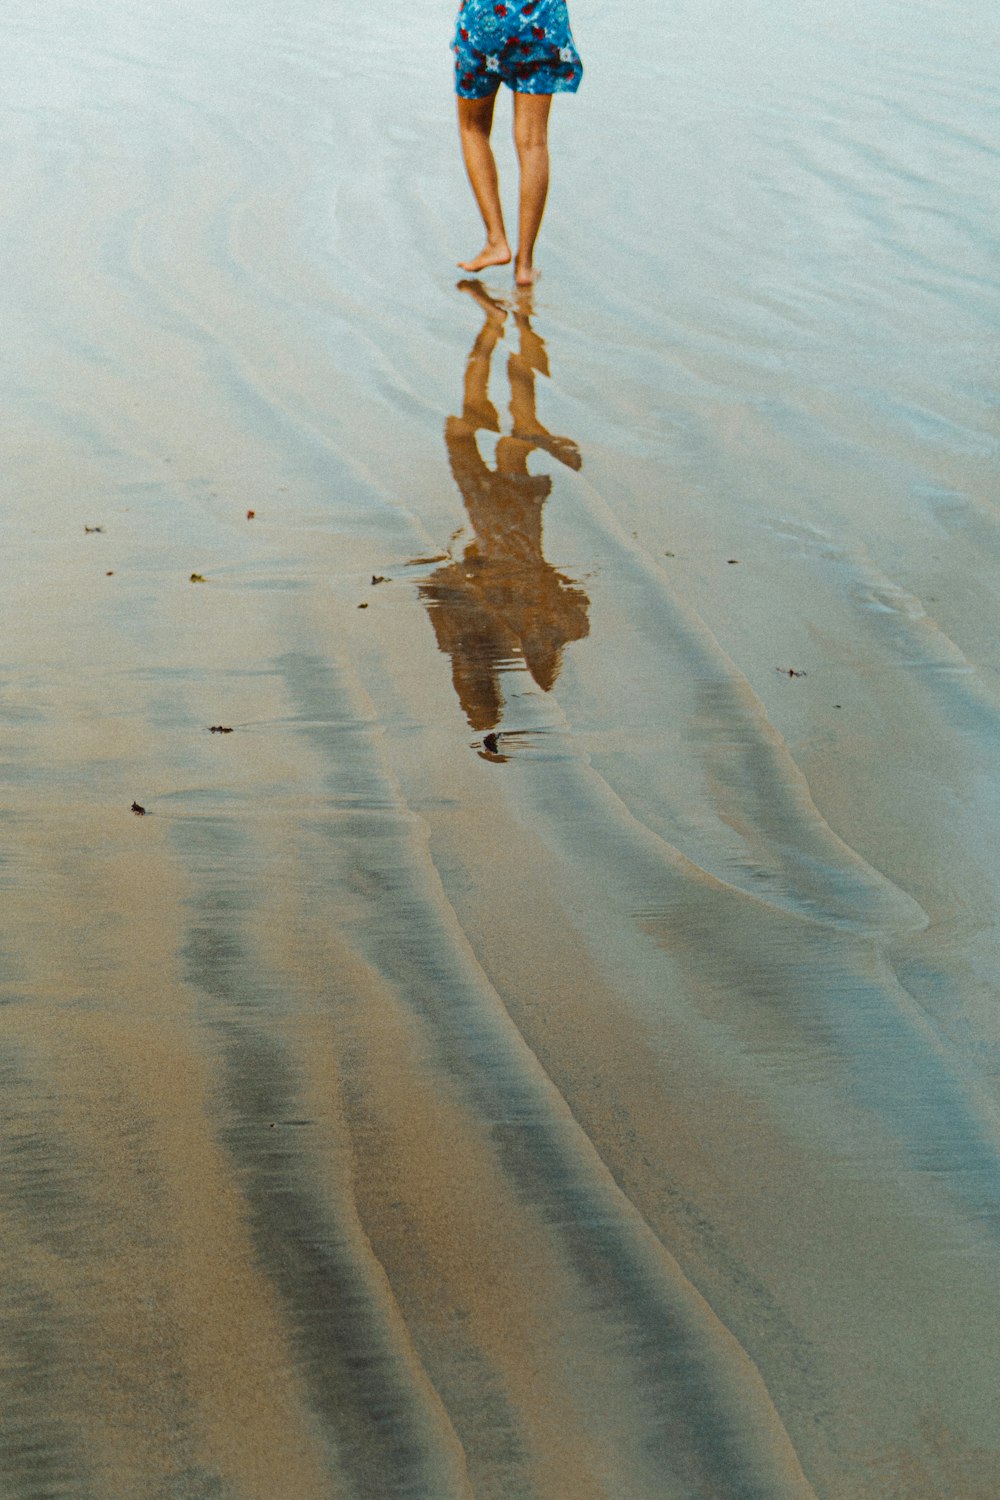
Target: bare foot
{"x":526,"y":275}
{"x":492,"y":255}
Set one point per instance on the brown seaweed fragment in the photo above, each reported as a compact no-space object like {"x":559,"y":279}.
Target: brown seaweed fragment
{"x":140,"y":812}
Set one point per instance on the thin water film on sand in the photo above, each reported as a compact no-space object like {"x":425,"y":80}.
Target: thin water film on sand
{"x":498,"y":934}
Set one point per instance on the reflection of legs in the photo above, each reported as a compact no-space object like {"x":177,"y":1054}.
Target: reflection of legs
{"x":532,"y":345}
{"x":475,"y":121}
{"x":478,"y":410}
{"x":521,"y":367}
{"x":531,"y":137}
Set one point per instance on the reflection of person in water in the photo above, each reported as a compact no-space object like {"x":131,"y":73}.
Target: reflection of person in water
{"x":503,"y":602}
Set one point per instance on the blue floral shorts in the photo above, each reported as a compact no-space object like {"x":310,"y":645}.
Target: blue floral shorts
{"x":526,"y":44}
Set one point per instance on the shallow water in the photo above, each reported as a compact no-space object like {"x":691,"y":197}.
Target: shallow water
{"x":548,"y":1049}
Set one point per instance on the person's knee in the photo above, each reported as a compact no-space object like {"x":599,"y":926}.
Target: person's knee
{"x":475,"y":116}
{"x":531,"y":130}
{"x":531,"y":141}
{"x":473,"y":131}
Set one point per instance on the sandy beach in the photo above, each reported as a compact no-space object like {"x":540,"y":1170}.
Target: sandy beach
{"x":498,"y":952}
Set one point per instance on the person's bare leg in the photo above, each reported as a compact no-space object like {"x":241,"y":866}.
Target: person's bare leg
{"x":475,"y":121}
{"x":531,"y":137}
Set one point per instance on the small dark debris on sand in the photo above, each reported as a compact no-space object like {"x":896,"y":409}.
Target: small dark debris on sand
{"x":91,"y":529}
{"x":732,"y":561}
{"x":220,"y":729}
{"x":251,"y":514}
{"x":790,"y":672}
{"x":362,"y":606}
{"x":140,"y":812}
{"x":491,"y":742}
{"x":379,"y":578}
{"x":197,"y":578}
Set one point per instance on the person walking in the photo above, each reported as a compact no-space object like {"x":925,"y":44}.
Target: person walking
{"x":528,"y":45}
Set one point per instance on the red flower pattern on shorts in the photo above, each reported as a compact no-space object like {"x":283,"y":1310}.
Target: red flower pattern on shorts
{"x":530,"y":48}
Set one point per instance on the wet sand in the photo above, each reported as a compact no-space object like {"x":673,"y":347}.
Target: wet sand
{"x":548,"y":1049}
